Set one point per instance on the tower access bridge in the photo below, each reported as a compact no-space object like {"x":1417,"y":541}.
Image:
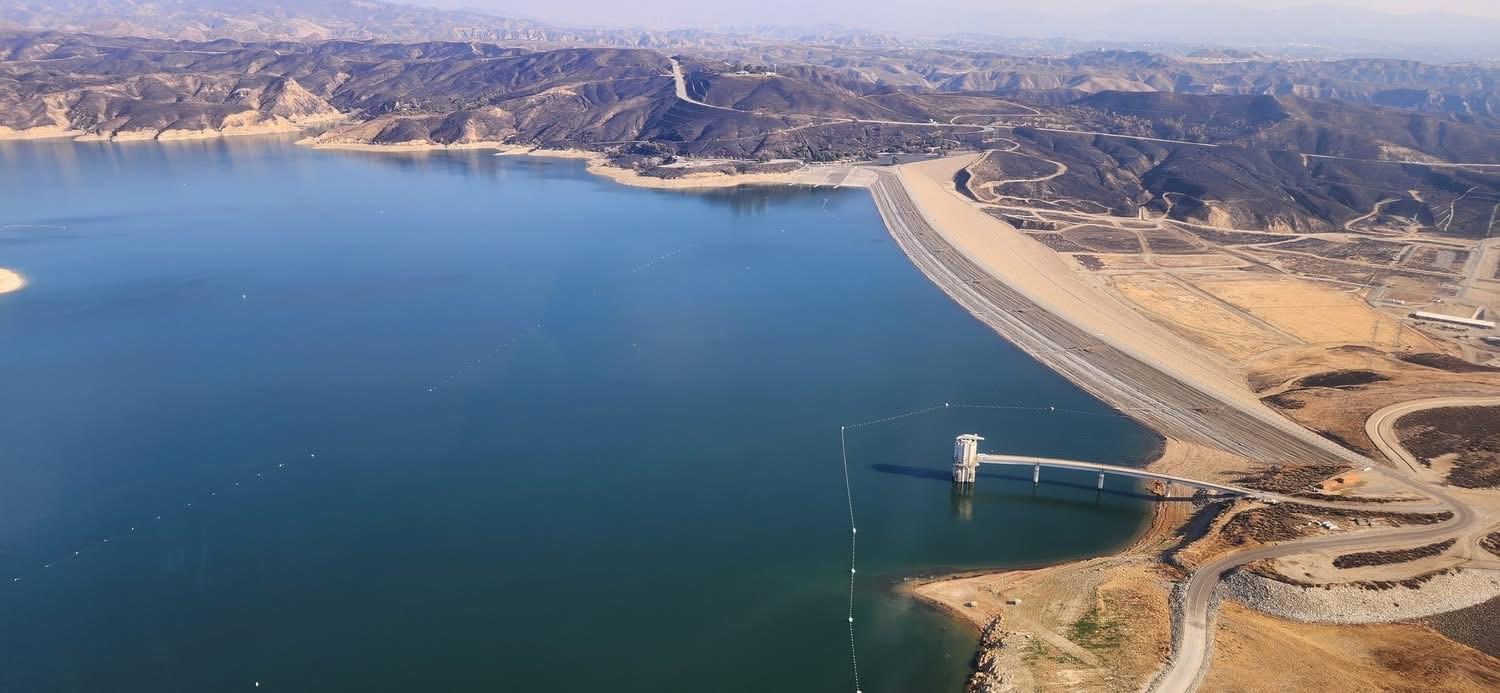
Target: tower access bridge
{"x":967,"y":458}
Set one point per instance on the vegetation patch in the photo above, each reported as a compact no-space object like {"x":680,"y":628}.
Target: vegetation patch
{"x":1342,"y":378}
{"x":1284,"y":401}
{"x":1025,"y":223}
{"x":1472,"y":434}
{"x":1491,"y":543}
{"x":1409,"y":583}
{"x":1265,"y":570}
{"x":1104,"y":239}
{"x":1224,"y":237}
{"x":1096,"y":632}
{"x":1262,"y":525}
{"x":1291,"y":478}
{"x":1056,"y":242}
{"x":1369,"y":558}
{"x":1170,"y":243}
{"x":1291,"y":520}
{"x":1365,"y":250}
{"x":1444,"y":362}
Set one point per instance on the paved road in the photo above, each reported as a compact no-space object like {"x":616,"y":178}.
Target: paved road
{"x":1153,"y":393}
{"x":1145,"y":387}
{"x":1381,"y":427}
{"x":682,"y":92}
{"x":1191,"y":660}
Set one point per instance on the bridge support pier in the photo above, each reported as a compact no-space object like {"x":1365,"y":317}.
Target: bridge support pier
{"x":966,"y":458}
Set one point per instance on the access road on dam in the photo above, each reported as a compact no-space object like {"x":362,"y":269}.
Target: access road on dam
{"x":1158,"y":395}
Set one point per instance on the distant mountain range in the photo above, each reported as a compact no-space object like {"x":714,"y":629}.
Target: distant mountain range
{"x":1305,"y":31}
{"x":1302,"y":145}
{"x":1309,"y":29}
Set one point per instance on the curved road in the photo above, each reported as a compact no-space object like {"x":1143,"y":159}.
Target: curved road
{"x":1190,"y":661}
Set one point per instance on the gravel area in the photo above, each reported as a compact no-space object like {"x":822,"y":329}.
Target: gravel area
{"x":1345,"y":604}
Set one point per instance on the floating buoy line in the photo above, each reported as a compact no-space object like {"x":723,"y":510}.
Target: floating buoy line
{"x":849,"y":487}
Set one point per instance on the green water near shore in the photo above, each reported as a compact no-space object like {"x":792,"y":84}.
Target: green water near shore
{"x":568,"y":435}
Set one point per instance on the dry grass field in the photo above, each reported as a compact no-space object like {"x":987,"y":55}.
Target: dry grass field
{"x":1254,"y":652}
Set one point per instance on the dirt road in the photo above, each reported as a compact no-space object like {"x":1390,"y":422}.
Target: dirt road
{"x":1035,"y":302}
{"x":1190,"y":661}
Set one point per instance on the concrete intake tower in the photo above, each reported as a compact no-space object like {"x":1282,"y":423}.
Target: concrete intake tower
{"x":965,"y":458}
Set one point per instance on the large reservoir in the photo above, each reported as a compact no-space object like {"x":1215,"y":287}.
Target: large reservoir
{"x":348,"y":421}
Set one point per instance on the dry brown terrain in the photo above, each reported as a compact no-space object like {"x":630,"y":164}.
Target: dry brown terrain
{"x":1099,"y":625}
{"x":1272,"y":306}
{"x":1307,"y":323}
{"x":1256,"y":652}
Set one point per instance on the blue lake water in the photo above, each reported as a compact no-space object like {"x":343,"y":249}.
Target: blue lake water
{"x":338,"y":421}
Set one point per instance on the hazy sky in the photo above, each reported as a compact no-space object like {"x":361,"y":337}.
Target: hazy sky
{"x":948,"y":15}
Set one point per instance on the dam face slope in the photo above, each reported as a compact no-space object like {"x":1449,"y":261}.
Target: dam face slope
{"x":1144,"y":391}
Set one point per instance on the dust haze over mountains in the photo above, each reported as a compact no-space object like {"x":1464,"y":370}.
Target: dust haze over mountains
{"x":1462,"y":28}
{"x":1436,"y":31}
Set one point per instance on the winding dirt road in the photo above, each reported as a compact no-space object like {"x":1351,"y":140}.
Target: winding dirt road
{"x":1191,"y":658}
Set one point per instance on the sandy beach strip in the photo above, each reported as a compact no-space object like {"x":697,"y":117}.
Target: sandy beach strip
{"x":10,"y":281}
{"x":597,"y":164}
{"x":43,"y":132}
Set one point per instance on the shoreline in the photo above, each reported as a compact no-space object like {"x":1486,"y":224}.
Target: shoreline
{"x":595,"y":164}
{"x":61,"y":133}
{"x":11,"y":281}
{"x":1095,"y":370}
{"x":1152,"y":525}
